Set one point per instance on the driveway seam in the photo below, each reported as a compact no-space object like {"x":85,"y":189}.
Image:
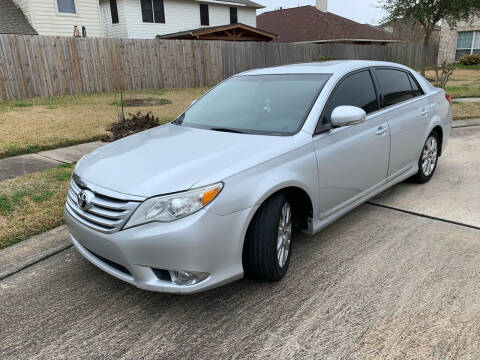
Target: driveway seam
{"x":465,"y":126}
{"x":36,"y":261}
{"x":40,"y":259}
{"x":50,"y":158}
{"x":425,"y":216}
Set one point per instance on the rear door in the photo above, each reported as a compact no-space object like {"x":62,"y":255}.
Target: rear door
{"x":407,"y":110}
{"x":352,"y":160}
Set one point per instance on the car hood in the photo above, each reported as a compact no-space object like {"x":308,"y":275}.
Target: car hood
{"x":172,"y":158}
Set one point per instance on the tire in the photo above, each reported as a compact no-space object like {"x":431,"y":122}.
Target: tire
{"x":427,"y":162}
{"x":266,"y":238}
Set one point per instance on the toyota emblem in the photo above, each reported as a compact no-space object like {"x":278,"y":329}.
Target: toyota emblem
{"x":83,"y":199}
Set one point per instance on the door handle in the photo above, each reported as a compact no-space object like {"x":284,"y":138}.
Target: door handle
{"x":381,"y":130}
{"x":424,"y":111}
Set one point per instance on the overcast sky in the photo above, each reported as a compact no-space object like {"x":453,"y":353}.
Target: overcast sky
{"x":363,"y":11}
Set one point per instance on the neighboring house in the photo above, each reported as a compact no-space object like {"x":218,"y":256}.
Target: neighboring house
{"x":309,"y":24}
{"x":13,"y":20}
{"x":58,"y":17}
{"x":149,"y":18}
{"x":409,"y":30}
{"x":463,"y":39}
{"x":126,"y":18}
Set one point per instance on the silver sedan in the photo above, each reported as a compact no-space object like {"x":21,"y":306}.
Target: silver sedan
{"x":218,"y":192}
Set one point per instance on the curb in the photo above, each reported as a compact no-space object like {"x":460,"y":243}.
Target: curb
{"x":33,"y":250}
{"x":465,"y":123}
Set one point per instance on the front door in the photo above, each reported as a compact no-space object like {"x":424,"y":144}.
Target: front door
{"x":352,"y":160}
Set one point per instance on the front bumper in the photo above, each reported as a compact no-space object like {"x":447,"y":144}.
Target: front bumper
{"x":202,"y":242}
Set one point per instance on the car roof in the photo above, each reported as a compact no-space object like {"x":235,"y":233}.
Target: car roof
{"x":324,"y":67}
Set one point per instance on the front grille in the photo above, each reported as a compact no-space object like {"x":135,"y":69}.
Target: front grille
{"x":105,"y":214}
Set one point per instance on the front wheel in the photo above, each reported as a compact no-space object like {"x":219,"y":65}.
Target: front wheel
{"x":427,"y":163}
{"x":268,"y":244}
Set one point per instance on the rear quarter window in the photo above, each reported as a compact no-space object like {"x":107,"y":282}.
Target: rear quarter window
{"x":417,"y":90}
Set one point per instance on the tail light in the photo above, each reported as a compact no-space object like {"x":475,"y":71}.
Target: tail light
{"x":449,"y":99}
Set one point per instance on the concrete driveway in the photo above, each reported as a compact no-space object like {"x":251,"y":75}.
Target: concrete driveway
{"x":379,"y":283}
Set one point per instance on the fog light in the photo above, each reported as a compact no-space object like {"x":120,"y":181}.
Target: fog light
{"x":180,"y":277}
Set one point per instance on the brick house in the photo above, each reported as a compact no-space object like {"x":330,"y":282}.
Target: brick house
{"x":463,"y":39}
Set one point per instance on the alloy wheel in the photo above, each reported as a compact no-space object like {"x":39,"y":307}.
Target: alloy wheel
{"x":284,"y":235}
{"x":429,"y":156}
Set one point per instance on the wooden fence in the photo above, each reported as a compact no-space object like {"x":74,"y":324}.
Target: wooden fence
{"x":37,"y":66}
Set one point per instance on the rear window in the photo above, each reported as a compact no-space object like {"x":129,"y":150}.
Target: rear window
{"x":395,"y":86}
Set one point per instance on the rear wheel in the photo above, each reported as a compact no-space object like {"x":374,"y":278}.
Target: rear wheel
{"x":268,"y":244}
{"x":427,"y":163}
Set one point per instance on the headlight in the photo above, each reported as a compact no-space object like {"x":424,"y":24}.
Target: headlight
{"x":172,"y":207}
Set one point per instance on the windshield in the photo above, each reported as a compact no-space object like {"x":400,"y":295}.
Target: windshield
{"x":256,"y":104}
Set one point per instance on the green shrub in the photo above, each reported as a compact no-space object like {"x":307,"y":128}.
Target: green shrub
{"x":23,"y":104}
{"x":472,"y":59}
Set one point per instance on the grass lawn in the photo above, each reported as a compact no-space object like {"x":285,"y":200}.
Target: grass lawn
{"x":465,"y":110}
{"x":46,"y":123}
{"x":464,"y":82}
{"x":32,"y":204}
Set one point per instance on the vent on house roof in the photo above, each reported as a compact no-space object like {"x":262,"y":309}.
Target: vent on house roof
{"x":322,"y":5}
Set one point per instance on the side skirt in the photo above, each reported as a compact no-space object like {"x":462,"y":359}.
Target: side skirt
{"x":318,"y":224}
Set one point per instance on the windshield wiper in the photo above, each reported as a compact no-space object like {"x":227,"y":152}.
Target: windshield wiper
{"x":227,"y":130}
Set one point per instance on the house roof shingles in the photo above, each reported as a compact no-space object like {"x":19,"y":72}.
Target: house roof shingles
{"x":13,"y":21}
{"x":307,"y":23}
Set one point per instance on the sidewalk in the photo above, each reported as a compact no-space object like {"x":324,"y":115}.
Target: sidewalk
{"x":465,"y":100}
{"x":26,"y":164}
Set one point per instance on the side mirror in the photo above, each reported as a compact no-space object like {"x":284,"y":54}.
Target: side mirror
{"x":347,"y":115}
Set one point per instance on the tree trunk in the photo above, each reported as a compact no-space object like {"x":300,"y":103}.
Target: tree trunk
{"x":426,"y":46}
{"x":425,"y":55}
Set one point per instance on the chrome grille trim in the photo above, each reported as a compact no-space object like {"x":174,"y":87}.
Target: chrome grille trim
{"x":106,"y":214}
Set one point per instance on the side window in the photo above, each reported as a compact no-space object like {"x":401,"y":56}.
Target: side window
{"x":204,"y":16}
{"x":66,"y":6}
{"x":233,"y":15}
{"x":114,"y":11}
{"x":417,"y":90}
{"x":395,"y":86}
{"x":147,"y":11}
{"x":153,"y":11}
{"x":356,"y":90}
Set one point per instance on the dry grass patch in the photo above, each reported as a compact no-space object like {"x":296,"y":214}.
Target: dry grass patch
{"x":468,"y":110}
{"x":39,"y":124}
{"x":32,"y":204}
{"x":462,"y":83}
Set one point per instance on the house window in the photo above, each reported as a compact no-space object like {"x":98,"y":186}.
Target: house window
{"x":233,"y":15}
{"x":114,"y":11}
{"x":468,"y":42}
{"x":204,"y":18}
{"x":153,"y":11}
{"x":66,"y":6}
